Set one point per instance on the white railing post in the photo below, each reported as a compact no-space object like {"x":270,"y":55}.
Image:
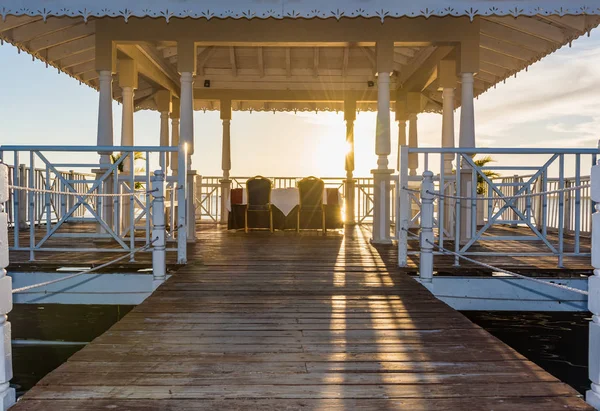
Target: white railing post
{"x":7,"y":394}
{"x":593,"y":395}
{"x":22,"y":195}
{"x":184,"y":202}
{"x":159,"y":269}
{"x":403,"y":213}
{"x":426,"y":255}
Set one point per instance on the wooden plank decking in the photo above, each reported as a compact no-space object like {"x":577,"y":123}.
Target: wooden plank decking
{"x":284,"y":322}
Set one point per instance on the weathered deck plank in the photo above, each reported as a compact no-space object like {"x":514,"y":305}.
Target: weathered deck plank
{"x":286,"y":322}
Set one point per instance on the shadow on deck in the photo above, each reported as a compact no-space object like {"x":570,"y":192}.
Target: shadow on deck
{"x":284,"y":322}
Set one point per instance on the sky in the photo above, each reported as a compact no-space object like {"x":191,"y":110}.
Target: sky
{"x":556,"y":103}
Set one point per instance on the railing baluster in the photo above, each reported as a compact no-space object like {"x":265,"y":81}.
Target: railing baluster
{"x":561,"y":207}
{"x":577,"y":202}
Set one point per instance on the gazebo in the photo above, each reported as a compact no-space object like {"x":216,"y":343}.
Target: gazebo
{"x":175,"y":56}
{"x":407,"y":57}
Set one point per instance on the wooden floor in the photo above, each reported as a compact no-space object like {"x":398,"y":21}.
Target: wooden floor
{"x":444,"y":265}
{"x":287,"y":322}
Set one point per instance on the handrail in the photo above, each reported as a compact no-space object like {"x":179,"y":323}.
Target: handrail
{"x":506,"y":150}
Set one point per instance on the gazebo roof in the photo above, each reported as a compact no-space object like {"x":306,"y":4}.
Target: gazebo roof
{"x":280,"y":9}
{"x":287,"y":75}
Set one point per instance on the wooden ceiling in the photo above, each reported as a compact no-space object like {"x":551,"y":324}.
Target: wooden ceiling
{"x":319,"y":73}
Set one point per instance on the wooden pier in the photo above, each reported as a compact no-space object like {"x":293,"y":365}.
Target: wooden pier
{"x":283,"y":322}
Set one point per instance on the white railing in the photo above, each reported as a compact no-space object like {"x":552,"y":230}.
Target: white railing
{"x":43,"y":180}
{"x":156,"y":244}
{"x":208,"y":195}
{"x":472,"y":207}
{"x":46,"y":202}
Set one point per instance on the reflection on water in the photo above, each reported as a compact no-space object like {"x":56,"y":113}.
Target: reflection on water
{"x":54,"y":322}
{"x":557,"y":342}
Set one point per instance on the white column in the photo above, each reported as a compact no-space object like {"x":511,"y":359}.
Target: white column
{"x":226,"y":152}
{"x":159,"y":272}
{"x":127,"y":124}
{"x":401,"y":139}
{"x":164,"y":138}
{"x":105,"y":138}
{"x":381,"y":197}
{"x":467,"y":112}
{"x":349,"y":217}
{"x":448,"y":127}
{"x":187,"y":114}
{"x":466,"y":140}
{"x":413,"y":141}
{"x":593,"y":395}
{"x":226,"y":167}
{"x":448,"y":141}
{"x":127,"y":94}
{"x":105,"y":115}
{"x":174,"y":143}
{"x":7,"y":394}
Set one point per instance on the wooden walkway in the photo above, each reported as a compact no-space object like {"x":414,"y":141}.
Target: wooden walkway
{"x":286,"y":322}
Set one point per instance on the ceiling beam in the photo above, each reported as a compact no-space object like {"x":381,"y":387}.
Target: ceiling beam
{"x":508,"y":49}
{"x":345,"y":61}
{"x":316,"y":62}
{"x":370,"y":55}
{"x":62,"y":37}
{"x":415,"y":63}
{"x":418,"y":73}
{"x":288,"y":61}
{"x":32,"y":30}
{"x":75,"y":59}
{"x":232,"y":61}
{"x":70,"y":48}
{"x":516,"y":37}
{"x":149,"y":68}
{"x":501,"y":60}
{"x":261,"y":62}
{"x":203,"y":57}
{"x":534,"y":27}
{"x":79,"y":69}
{"x":12,"y":22}
{"x":576,"y":24}
{"x":284,"y":95}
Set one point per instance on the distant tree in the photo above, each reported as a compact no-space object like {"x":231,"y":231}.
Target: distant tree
{"x":136,"y":156}
{"x":481,"y":183}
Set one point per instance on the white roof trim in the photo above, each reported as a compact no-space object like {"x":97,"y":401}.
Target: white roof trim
{"x":293,"y":9}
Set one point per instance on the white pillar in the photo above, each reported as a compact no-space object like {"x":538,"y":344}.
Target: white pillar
{"x":467,"y":112}
{"x":164,"y":138}
{"x":593,"y":395}
{"x":159,"y":271}
{"x":174,"y":143}
{"x":448,"y":142}
{"x":127,"y":119}
{"x":426,"y":237}
{"x":413,"y":142}
{"x":466,"y":140}
{"x":381,"y":197}
{"x":226,"y":167}
{"x":349,"y":217}
{"x":401,"y":139}
{"x":187,"y":114}
{"x":7,"y":394}
{"x":127,"y":94}
{"x":105,"y":115}
{"x":448,"y":127}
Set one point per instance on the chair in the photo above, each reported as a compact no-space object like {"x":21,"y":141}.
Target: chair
{"x":259,"y":198}
{"x":311,"y":199}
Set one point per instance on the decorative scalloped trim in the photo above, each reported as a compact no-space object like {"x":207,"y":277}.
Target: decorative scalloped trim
{"x":208,"y":14}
